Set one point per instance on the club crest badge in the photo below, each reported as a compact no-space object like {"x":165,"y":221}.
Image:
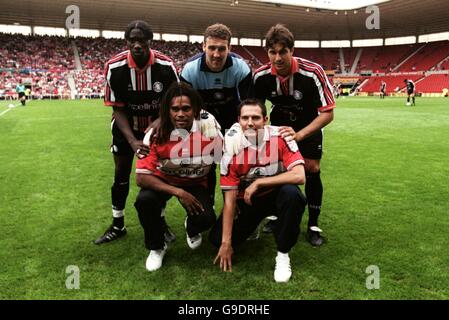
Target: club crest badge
{"x":231,"y":132}
{"x":157,"y":86}
{"x":297,"y":95}
{"x":218,"y":95}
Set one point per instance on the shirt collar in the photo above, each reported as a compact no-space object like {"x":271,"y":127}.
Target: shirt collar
{"x":205,"y":68}
{"x":266,"y":133}
{"x":132,"y":64}
{"x":195,"y":126}
{"x":180,"y":133}
{"x":266,"y":137}
{"x":294,"y":69}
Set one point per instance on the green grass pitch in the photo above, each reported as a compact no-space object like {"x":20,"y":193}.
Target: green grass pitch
{"x":386,"y":202}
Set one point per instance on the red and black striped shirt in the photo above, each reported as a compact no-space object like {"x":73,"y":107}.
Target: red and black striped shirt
{"x":139,"y":91}
{"x":304,"y":93}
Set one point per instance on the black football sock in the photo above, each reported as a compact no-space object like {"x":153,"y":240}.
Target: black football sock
{"x":119,"y":193}
{"x":118,"y":222}
{"x":314,"y":194}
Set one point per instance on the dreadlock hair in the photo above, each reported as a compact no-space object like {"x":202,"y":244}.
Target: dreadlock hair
{"x":176,"y":89}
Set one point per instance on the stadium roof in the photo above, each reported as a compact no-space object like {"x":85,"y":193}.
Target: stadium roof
{"x":328,"y":4}
{"x":250,"y":19}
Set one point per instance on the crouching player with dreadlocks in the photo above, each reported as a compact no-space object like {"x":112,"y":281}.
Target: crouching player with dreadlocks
{"x":182,"y":151}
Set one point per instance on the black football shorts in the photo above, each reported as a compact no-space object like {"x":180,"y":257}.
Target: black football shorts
{"x":312,"y":147}
{"x":120,"y":145}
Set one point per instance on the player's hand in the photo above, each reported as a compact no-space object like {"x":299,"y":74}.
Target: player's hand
{"x":140,"y":149}
{"x":233,"y":139}
{"x":288,"y":134}
{"x":152,"y":131}
{"x":249,"y":192}
{"x":225,"y":255}
{"x":209,"y":125}
{"x":190,"y":203}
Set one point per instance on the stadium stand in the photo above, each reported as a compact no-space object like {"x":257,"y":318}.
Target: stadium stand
{"x":434,"y":83}
{"x":369,"y":55}
{"x":40,"y":61}
{"x":389,"y":57}
{"x":394,"y":83}
{"x":247,"y":55}
{"x":47,"y":64}
{"x":427,"y":57}
{"x":327,"y":58}
{"x":259,"y":53}
{"x":349,"y":55}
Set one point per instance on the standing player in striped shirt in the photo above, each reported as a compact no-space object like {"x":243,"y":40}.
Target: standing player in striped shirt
{"x":136,"y":80}
{"x":410,"y":87}
{"x":383,"y":89}
{"x":302,"y":101}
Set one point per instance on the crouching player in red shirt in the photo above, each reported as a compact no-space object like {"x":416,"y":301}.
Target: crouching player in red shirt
{"x":260,"y":172}
{"x":180,"y":157}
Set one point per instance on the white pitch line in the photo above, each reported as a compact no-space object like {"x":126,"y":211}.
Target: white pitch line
{"x":9,"y":109}
{"x":5,"y":112}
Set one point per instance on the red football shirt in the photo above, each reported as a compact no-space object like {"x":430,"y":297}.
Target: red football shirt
{"x":273,"y":157}
{"x":182,"y":161}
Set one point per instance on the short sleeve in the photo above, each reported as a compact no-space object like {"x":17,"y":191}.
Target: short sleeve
{"x":148,"y":165}
{"x":110,"y":95}
{"x":290,"y":153}
{"x":228,"y":173}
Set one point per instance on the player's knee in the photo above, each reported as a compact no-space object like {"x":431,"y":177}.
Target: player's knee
{"x":122,"y":174}
{"x":215,"y":236}
{"x":123,"y":166}
{"x":210,"y":219}
{"x":312,"y":167}
{"x":146,"y":199}
{"x":292,"y":194}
